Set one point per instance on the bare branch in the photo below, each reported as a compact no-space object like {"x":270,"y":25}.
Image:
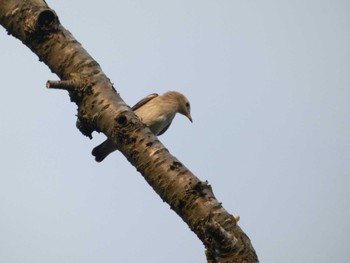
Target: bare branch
{"x":101,"y":109}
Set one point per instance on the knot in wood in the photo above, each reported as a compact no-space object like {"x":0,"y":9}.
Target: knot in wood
{"x":121,"y":119}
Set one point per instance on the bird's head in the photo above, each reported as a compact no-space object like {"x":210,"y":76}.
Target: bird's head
{"x":183,"y":105}
{"x":186,"y":109}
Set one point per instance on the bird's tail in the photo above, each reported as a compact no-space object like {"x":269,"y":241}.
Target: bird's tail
{"x":103,"y":150}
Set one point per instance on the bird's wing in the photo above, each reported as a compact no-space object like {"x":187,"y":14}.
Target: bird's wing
{"x":164,"y":130}
{"x":144,"y":101}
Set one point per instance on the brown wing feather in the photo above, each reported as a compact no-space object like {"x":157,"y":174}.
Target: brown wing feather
{"x":144,"y":101}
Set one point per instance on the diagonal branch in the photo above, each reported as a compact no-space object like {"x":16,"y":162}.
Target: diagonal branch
{"x":101,"y":109}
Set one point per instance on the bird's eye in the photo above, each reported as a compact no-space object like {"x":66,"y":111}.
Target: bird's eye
{"x":187,"y":105}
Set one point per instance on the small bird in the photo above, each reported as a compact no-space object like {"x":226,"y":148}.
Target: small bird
{"x":157,"y":112}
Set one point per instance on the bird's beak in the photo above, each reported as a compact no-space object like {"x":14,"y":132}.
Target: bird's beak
{"x":188,"y":115}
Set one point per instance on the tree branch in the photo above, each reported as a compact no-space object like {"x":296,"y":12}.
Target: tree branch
{"x":101,"y":109}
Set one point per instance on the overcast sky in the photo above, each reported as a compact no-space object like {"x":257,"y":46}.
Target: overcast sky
{"x":269,"y":85}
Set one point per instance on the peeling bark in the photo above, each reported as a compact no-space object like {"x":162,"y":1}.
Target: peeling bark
{"x":101,"y":109}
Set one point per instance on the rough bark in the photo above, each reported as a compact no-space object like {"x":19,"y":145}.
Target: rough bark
{"x":101,"y":109}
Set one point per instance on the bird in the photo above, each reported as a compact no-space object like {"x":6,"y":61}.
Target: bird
{"x":157,"y":112}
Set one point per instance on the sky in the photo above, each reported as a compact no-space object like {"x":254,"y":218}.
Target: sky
{"x":269,"y":86}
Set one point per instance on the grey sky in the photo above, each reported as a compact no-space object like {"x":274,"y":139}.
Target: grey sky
{"x":269,"y":85}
